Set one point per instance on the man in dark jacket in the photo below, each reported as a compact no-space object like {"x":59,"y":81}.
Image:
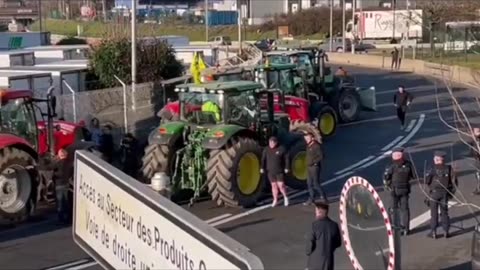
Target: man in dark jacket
{"x":314,"y":169}
{"x":323,"y":239}
{"x":442,"y":182}
{"x":275,"y":162}
{"x":397,"y":179}
{"x":62,"y":168}
{"x":129,"y":154}
{"x":401,"y":101}
{"x":106,"y":144}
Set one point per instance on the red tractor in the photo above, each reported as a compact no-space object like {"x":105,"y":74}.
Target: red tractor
{"x":24,"y":143}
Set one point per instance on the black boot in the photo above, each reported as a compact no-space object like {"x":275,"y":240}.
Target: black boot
{"x":447,"y":234}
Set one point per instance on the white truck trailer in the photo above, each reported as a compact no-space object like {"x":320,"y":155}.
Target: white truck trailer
{"x":385,"y":24}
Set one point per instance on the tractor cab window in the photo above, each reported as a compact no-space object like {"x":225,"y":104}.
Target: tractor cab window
{"x":278,"y":79}
{"x":17,"y":117}
{"x":242,"y":108}
{"x":278,"y":59}
{"x":201,"y":108}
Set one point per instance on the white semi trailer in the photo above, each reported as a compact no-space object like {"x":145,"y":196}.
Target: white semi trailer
{"x":386,"y":24}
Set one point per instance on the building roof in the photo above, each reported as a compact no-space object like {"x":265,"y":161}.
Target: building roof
{"x":231,"y":86}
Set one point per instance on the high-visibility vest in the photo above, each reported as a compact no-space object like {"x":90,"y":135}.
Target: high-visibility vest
{"x":211,"y":107}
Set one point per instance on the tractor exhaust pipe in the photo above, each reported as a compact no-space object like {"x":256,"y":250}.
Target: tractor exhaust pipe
{"x":51,"y":104}
{"x":160,"y":182}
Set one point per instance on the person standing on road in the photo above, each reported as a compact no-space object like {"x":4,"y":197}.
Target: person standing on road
{"x":395,"y":57}
{"x":314,"y":168}
{"x":442,"y":182}
{"x":62,"y":172}
{"x":275,"y":162}
{"x":397,"y":178}
{"x":401,"y":100}
{"x":323,"y":239}
{"x":474,"y":150}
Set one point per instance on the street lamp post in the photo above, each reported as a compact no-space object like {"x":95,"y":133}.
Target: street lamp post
{"x":393,"y":14}
{"x":331,"y":25}
{"x":343,"y":26}
{"x":353,"y":24}
{"x":134,"y":52}
{"x":206,"y":20}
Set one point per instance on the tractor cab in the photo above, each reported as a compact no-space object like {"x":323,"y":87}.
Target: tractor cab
{"x":18,"y":117}
{"x":218,"y":103}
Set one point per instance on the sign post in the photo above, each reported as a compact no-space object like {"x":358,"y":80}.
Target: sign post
{"x":124,"y":224}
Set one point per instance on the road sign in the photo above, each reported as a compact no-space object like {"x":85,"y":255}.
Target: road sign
{"x":124,"y":224}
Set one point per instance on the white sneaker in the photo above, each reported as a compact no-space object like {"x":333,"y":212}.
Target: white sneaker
{"x":274,"y":203}
{"x":285,"y":201}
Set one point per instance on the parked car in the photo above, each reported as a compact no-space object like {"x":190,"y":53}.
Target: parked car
{"x":222,"y":41}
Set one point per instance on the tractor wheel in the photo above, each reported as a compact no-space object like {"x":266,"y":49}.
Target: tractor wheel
{"x":302,"y":127}
{"x":347,"y":104}
{"x":326,"y":120}
{"x":17,"y":184}
{"x":233,"y":174}
{"x":297,"y":175}
{"x":157,"y":158}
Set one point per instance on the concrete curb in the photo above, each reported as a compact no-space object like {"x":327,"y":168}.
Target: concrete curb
{"x":456,"y":74}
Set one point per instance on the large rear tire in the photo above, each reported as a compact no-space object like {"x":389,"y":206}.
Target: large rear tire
{"x":326,"y":120}
{"x":297,"y":175}
{"x":17,"y":184}
{"x":233,"y":174}
{"x":157,"y":158}
{"x":347,"y":105}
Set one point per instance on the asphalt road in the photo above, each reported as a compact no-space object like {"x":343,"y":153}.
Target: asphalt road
{"x":276,"y":235}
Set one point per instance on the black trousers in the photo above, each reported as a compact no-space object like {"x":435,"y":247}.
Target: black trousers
{"x":313,"y":183}
{"x":401,"y":113}
{"x":401,"y":209}
{"x":64,"y":204}
{"x":439,"y":200}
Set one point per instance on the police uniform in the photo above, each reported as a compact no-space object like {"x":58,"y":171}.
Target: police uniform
{"x":397,"y":178}
{"x":440,"y":179}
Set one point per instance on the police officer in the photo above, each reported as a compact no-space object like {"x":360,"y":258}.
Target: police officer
{"x":314,"y":168}
{"x":397,"y":178}
{"x":476,"y":155}
{"x":442,"y":182}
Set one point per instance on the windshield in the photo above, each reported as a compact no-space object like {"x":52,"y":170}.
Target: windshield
{"x":201,"y":108}
{"x":278,"y":79}
{"x":278,"y":59}
{"x":17,"y":117}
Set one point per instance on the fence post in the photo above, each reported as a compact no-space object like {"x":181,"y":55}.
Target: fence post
{"x":74,"y":100}
{"x":125,"y":107}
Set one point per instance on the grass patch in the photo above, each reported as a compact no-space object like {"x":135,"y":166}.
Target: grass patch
{"x":193,"y":32}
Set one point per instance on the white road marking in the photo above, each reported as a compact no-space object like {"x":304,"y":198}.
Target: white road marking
{"x":414,"y":223}
{"x":82,"y":266}
{"x":386,"y":250}
{"x":388,"y":146}
{"x":218,"y":218}
{"x":355,"y":165}
{"x":367,"y":229}
{"x":411,"y":125}
{"x":69,"y":264}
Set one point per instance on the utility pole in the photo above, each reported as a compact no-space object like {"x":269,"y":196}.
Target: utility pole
{"x":40,"y":19}
{"x":239,"y":8}
{"x":344,"y":47}
{"x":331,"y":25}
{"x":393,"y":14}
{"x":206,"y":20}
{"x":353,"y":25}
{"x":134,"y":52}
{"x":104,"y":10}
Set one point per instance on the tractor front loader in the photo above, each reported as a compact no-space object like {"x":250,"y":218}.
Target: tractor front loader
{"x":220,"y":150}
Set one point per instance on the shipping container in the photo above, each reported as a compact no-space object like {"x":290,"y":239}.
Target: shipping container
{"x":46,"y":54}
{"x":224,"y":17}
{"x":17,"y":58}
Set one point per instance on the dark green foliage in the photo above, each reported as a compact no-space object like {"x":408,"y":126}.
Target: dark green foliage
{"x":155,"y":61}
{"x":72,"y":41}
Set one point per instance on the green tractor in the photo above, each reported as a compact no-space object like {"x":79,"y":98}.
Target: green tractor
{"x":340,"y":92}
{"x":216,"y":144}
